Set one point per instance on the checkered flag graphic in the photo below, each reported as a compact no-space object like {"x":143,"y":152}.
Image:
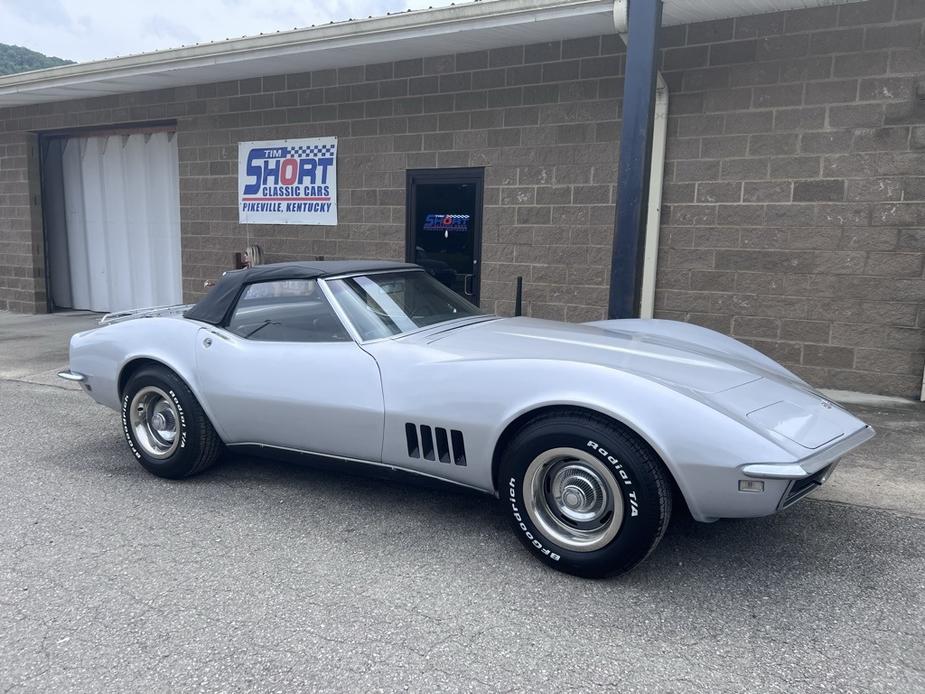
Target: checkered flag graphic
{"x":312,"y":151}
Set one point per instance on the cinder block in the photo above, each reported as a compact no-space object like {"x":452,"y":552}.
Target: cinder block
{"x":733,"y":52}
{"x":826,"y":190}
{"x":787,"y":46}
{"x":871,"y":12}
{"x":710,"y":32}
{"x":767,"y":191}
{"x":828,"y":356}
{"x":827,"y":141}
{"x":836,"y":41}
{"x":836,"y":91}
{"x":805,"y":331}
{"x":909,"y":9}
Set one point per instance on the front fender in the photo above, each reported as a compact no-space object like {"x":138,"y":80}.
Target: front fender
{"x":689,"y":436}
{"x":483,"y":395}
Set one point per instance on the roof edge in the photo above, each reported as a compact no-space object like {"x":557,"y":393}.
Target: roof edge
{"x":452,"y":18}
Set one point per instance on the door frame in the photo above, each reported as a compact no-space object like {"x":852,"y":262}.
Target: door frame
{"x":448,"y":176}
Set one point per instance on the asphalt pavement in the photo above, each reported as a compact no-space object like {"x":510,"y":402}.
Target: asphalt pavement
{"x":266,"y":576}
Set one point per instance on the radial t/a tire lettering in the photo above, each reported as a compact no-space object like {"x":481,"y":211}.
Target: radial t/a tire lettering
{"x":585,"y":495}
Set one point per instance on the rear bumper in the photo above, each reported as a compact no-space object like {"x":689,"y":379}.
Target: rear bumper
{"x":72,"y":376}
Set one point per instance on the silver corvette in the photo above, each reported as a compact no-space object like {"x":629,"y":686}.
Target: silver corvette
{"x":586,"y":433}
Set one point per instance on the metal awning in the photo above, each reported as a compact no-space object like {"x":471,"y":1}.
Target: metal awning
{"x":456,"y":29}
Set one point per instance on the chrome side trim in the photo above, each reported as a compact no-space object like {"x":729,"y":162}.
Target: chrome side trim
{"x":339,"y":311}
{"x":442,"y":325}
{"x":360,"y":273}
{"x":118,"y":316}
{"x":72,"y":376}
{"x":811,"y":464}
{"x":360,"y":461}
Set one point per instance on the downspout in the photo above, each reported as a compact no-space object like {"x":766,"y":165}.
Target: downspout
{"x":654,"y":212}
{"x":656,"y":174}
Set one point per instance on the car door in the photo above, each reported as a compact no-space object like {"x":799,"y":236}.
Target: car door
{"x":284,"y":372}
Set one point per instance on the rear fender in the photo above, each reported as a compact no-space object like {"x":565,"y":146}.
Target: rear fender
{"x":103,"y":354}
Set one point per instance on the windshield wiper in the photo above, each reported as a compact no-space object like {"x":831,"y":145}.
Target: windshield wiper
{"x":261,"y":327}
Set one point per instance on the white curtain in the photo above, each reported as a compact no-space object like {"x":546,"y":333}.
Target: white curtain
{"x":122,"y":210}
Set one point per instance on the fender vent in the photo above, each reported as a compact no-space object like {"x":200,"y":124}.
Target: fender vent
{"x":427,"y":442}
{"x":411,"y":434}
{"x":459,"y":448}
{"x":435,"y":444}
{"x":443,"y":446}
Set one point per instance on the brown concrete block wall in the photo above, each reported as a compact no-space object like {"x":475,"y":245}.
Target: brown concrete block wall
{"x":22,"y":251}
{"x":541,"y":119}
{"x":795,"y":189}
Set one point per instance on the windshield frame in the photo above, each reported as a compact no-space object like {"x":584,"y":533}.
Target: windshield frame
{"x":351,"y":328}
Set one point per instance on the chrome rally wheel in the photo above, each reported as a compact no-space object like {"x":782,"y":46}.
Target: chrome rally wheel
{"x":166,"y":428}
{"x":155,"y":422}
{"x":573,"y":498}
{"x":585,"y":494}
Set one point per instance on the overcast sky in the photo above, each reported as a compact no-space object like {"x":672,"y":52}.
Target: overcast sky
{"x":91,"y":29}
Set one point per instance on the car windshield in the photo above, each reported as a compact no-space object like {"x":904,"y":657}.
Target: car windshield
{"x":390,"y":303}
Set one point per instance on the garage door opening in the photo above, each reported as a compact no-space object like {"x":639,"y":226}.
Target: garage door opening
{"x":111,"y":208}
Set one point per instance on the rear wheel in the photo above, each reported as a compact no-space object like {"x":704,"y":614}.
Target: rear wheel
{"x":166,"y":428}
{"x":585,"y":496}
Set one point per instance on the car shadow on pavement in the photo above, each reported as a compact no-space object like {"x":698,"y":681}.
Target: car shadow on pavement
{"x":799,"y":540}
{"x":814,"y":539}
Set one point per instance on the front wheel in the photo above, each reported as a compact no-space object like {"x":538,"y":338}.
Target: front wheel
{"x":165,"y":426}
{"x":585,"y":496}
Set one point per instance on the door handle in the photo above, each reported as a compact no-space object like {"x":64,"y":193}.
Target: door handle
{"x":467,"y":285}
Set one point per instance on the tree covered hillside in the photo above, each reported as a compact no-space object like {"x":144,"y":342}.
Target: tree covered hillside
{"x":19,"y":59}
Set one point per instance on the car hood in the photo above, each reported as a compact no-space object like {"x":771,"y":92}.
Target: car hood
{"x":675,"y":361}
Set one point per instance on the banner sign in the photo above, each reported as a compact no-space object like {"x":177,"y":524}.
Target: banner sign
{"x":288,"y":181}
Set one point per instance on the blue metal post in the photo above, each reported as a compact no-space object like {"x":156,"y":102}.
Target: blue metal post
{"x":645,"y":19}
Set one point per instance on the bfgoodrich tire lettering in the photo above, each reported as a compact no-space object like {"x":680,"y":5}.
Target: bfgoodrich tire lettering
{"x":585,"y":495}
{"x":165,"y":427}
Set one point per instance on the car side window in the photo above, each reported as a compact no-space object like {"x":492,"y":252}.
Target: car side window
{"x":286,"y":311}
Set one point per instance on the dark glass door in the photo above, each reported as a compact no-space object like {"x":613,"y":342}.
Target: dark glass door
{"x":444,"y":218}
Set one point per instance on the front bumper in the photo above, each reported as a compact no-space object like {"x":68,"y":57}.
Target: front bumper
{"x":812,"y":472}
{"x":811,"y":465}
{"x":718,"y":493}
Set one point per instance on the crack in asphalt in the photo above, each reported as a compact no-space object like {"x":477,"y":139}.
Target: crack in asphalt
{"x":22,"y":381}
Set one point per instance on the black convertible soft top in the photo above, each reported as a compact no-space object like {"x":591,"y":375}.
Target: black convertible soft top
{"x":214,"y":306}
